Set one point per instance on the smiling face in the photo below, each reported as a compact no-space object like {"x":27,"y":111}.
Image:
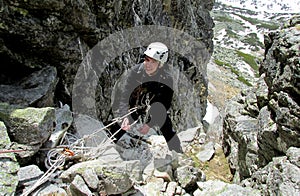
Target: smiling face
{"x":151,"y":65}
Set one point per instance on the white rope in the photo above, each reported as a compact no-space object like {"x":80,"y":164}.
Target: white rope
{"x":46,"y":175}
{"x":55,"y":163}
{"x":101,"y":129}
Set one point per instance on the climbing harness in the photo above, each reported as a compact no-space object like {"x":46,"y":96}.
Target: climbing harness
{"x":146,"y":107}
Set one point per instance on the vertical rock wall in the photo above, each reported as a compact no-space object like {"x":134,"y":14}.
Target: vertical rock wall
{"x":60,"y":34}
{"x":261,"y":126}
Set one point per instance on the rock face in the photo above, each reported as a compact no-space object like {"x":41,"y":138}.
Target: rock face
{"x":59,"y":34}
{"x":281,"y":175}
{"x":282,"y":70}
{"x":262,"y":124}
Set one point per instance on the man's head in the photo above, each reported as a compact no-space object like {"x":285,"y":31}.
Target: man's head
{"x":156,"y":55}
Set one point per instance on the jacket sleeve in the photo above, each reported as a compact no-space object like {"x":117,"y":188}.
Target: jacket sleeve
{"x":130,"y":84}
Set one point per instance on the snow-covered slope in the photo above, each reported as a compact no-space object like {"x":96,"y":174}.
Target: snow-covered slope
{"x":271,"y":6}
{"x":244,"y":28}
{"x":239,"y":31}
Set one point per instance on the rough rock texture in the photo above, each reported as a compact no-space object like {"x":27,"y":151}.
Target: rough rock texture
{"x":240,"y":137}
{"x":280,"y":177}
{"x":8,"y":165}
{"x":218,"y":187}
{"x":35,"y":90}
{"x":262,"y":123}
{"x":115,"y":177}
{"x":281,"y":66}
{"x":31,"y":126}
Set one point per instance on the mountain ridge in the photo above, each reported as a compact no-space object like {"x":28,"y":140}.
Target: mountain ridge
{"x":239,"y":38}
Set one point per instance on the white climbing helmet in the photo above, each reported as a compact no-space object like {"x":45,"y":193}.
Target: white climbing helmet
{"x":157,"y":51}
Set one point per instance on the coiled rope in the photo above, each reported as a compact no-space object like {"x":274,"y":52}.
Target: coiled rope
{"x":56,"y":160}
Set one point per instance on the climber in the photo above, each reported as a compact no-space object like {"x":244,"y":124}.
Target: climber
{"x":149,"y":87}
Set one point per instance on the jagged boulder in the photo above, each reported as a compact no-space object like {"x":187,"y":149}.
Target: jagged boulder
{"x":63,"y":121}
{"x":29,"y":127}
{"x":112,"y":178}
{"x":281,"y":176}
{"x":262,"y":123}
{"x":36,"y":90}
{"x":240,"y":138}
{"x":217,"y":187}
{"x":281,"y":68}
{"x":28,"y":176}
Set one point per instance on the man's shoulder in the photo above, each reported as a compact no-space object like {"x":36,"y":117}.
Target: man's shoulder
{"x":135,"y":72}
{"x":137,"y":68}
{"x":166,"y":73}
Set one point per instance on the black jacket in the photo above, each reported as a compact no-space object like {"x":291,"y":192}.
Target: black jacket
{"x":139,"y":85}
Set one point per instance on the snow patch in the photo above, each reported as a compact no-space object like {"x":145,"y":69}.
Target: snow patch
{"x":273,"y":6}
{"x":212,"y":113}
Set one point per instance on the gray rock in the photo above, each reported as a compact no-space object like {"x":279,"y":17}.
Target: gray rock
{"x":278,"y":177}
{"x":263,"y":122}
{"x":262,"y":92}
{"x":187,"y":136}
{"x":207,"y":152}
{"x":281,"y":67}
{"x":153,"y":187}
{"x":91,"y":179}
{"x":116,"y":177}
{"x":171,"y":188}
{"x":64,"y":120}
{"x":78,"y":187}
{"x":8,"y":165}
{"x":30,"y":126}
{"x":36,"y":89}
{"x":91,"y":129}
{"x":216,"y":187}
{"x":268,"y":137}
{"x":188,"y":176}
{"x":50,"y":189}
{"x":28,"y":175}
{"x":240,"y":140}
{"x":293,"y":155}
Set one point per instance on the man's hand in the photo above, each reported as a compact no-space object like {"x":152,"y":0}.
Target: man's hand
{"x":144,"y":129}
{"x":125,"y":124}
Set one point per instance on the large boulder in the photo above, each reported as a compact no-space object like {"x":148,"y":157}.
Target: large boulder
{"x":35,"y":90}
{"x":281,"y":176}
{"x":29,"y":128}
{"x":110,"y":177}
{"x":217,"y":187}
